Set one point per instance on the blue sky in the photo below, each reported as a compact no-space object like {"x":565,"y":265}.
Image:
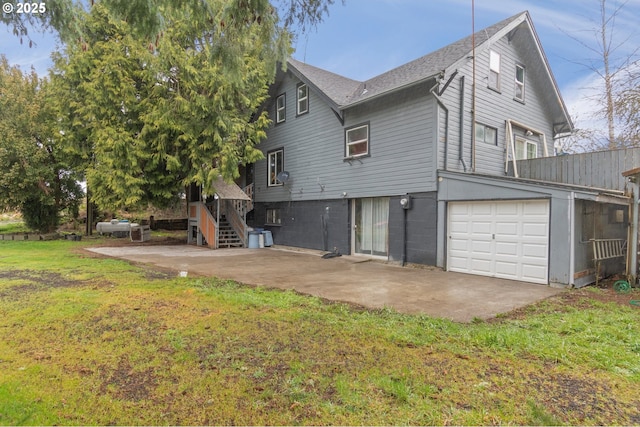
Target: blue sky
{"x":364,"y":38}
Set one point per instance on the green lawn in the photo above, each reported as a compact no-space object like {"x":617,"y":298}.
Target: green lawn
{"x":86,"y":340}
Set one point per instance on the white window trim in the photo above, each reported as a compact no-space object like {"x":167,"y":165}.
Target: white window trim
{"x":527,"y":144}
{"x":350,"y":143}
{"x":304,"y":98}
{"x":270,"y":172}
{"x":281,"y":111}
{"x":519,"y":84}
{"x":494,"y":68}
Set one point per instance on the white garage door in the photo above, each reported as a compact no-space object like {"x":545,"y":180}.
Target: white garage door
{"x":500,"y":239}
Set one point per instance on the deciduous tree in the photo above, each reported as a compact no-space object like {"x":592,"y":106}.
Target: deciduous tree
{"x":35,"y":177}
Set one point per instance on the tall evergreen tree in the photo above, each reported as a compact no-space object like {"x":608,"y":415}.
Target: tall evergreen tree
{"x":143,"y":121}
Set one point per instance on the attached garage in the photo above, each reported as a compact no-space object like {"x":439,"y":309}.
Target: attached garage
{"x":522,"y":229}
{"x":506,"y":239}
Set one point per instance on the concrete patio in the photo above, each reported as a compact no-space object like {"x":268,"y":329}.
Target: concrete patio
{"x":351,"y":279}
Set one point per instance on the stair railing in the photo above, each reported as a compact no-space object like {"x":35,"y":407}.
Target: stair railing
{"x":237,"y":217}
{"x":207,"y":224}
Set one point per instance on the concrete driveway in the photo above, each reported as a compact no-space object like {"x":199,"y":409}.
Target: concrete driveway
{"x":455,"y":296}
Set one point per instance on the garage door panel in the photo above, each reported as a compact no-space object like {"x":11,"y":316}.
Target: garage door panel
{"x":506,"y":268}
{"x":506,"y":249}
{"x":508,"y":239}
{"x":482,"y":266}
{"x":536,"y":208}
{"x":533,"y":273}
{"x":480,"y":209}
{"x":480,"y":247}
{"x":506,"y":209}
{"x":534,"y":250}
{"x":480,"y":227}
{"x":534,"y":230}
{"x":506,"y":228}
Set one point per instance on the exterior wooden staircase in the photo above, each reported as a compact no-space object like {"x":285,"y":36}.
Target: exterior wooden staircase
{"x":227,"y":235}
{"x":222,"y":223}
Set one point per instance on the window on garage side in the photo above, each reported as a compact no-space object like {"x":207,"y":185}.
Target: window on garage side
{"x":526,"y":149}
{"x":486,"y":134}
{"x":276,"y":165}
{"x":357,"y":141}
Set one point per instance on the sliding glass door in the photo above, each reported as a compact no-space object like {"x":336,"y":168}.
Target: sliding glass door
{"x":371,"y":230}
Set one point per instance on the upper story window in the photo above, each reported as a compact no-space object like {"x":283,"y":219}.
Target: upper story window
{"x":357,"y":141}
{"x":303,"y":99}
{"x":281,"y":108}
{"x":494,"y":70}
{"x":526,"y":149}
{"x":486,"y":134}
{"x":276,"y":165}
{"x":519,"y":82}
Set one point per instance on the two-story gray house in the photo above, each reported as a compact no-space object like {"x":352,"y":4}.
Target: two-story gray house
{"x":411,"y":165}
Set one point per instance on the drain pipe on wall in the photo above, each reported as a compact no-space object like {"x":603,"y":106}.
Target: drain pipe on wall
{"x":461,"y":123}
{"x":446,"y":121}
{"x":634,"y":237}
{"x":633,"y":176}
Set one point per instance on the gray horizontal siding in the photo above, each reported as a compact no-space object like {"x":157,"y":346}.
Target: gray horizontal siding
{"x":601,"y":169}
{"x":401,"y":149}
{"x":493,"y":109}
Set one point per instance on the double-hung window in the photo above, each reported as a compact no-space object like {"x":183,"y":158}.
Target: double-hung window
{"x":519,"y":82}
{"x":526,"y":149}
{"x":494,"y":70}
{"x":276,"y":165}
{"x":357,"y":141}
{"x":281,"y":108}
{"x":302,"y":99}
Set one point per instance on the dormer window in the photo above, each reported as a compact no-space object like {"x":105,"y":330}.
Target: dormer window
{"x":494,"y":70}
{"x":303,"y":99}
{"x":281,"y":108}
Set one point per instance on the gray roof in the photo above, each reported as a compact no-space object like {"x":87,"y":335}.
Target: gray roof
{"x":344,"y":92}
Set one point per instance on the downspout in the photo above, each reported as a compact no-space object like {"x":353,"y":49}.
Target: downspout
{"x":632,"y":247}
{"x":572,"y":238}
{"x":446,"y":125}
{"x":461,"y":123}
{"x":404,"y":238}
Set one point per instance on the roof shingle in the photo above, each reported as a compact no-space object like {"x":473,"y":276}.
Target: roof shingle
{"x":345,"y":92}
